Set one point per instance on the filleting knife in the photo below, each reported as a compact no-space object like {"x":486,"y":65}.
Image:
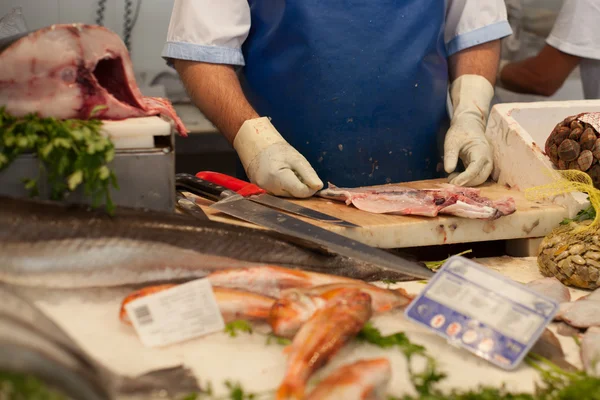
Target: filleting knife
{"x":259,"y":195}
{"x":236,"y":205}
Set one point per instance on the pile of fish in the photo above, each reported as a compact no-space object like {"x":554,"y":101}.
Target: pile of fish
{"x":320,"y":313}
{"x":52,"y":244}
{"x":74,"y":71}
{"x":32,"y":344}
{"x":447,"y":199}
{"x":579,"y":318}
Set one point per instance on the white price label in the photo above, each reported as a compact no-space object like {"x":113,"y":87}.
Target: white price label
{"x":177,"y":314}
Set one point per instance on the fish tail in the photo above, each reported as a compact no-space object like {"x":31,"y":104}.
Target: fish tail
{"x":290,"y":391}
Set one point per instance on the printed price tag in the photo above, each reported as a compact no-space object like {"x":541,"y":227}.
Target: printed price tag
{"x":482,"y":311}
{"x":179,"y":313}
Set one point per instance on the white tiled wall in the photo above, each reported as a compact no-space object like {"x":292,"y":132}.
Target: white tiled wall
{"x":147,"y":38}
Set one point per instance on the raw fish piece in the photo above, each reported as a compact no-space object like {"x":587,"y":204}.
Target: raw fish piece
{"x":590,"y":351}
{"x":581,"y":314}
{"x":74,"y":71}
{"x":270,"y":280}
{"x":296,"y":306}
{"x":548,"y":346}
{"x":361,"y":380}
{"x":397,"y":199}
{"x":595,"y":295}
{"x":552,"y":288}
{"x":328,"y":330}
{"x":564,"y":329}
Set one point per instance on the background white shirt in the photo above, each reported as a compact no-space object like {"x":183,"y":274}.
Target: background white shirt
{"x":577,"y":32}
{"x":214,"y":31}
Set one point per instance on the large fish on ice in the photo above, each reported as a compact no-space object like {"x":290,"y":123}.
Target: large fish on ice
{"x":397,"y":199}
{"x":74,"y":71}
{"x":33,"y":345}
{"x":51,"y":244}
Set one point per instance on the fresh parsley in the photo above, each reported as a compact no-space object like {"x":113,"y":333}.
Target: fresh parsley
{"x":583,"y":215}
{"x":72,"y":153}
{"x":16,"y":386}
{"x":435,"y":265}
{"x":240,"y":325}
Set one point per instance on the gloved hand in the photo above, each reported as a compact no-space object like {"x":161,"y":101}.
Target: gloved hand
{"x":471,"y":96}
{"x":271,"y":163}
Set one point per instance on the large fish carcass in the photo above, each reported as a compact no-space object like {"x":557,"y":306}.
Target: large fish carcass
{"x":81,"y":71}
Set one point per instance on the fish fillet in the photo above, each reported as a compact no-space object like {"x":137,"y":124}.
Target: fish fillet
{"x":74,"y":71}
{"x":447,"y":199}
{"x":552,"y":288}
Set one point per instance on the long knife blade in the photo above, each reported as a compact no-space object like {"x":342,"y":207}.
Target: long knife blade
{"x":259,"y":195}
{"x":237,"y":206}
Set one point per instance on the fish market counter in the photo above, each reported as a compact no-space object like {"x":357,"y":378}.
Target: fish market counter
{"x":92,"y":318}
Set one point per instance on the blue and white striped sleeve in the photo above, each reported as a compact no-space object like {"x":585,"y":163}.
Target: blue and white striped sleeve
{"x":208,"y":31}
{"x":473,"y":22}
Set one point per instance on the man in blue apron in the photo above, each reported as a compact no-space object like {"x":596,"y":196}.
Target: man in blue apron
{"x":352,"y":92}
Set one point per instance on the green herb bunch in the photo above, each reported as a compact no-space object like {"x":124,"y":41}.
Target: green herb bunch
{"x":71,"y":152}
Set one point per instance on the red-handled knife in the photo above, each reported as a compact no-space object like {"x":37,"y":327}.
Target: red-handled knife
{"x":259,"y":195}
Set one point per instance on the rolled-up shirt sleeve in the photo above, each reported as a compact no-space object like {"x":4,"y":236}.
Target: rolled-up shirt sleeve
{"x":473,"y":22}
{"x":208,"y":31}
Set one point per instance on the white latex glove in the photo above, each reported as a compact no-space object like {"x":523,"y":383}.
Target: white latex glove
{"x":271,"y":163}
{"x":471,"y":97}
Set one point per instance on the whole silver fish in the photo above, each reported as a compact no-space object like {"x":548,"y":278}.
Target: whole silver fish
{"x":32,"y":344}
{"x":65,"y":246}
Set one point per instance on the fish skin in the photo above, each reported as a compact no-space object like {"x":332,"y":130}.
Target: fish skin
{"x":590,"y":351}
{"x":270,"y":280}
{"x":296,"y":306}
{"x":321,"y":337}
{"x":234,"y":304}
{"x":361,"y":380}
{"x":551,"y":287}
{"x":25,"y":330}
{"x":580,"y":314}
{"x":52,"y":244}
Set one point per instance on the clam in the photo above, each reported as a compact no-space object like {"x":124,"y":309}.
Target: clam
{"x":585,"y":160}
{"x":568,"y":150}
{"x":587,"y":139}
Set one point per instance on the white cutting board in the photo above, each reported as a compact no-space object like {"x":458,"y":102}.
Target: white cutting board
{"x":136,"y":133}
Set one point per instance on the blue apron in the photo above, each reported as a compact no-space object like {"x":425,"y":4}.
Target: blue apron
{"x":356,"y":86}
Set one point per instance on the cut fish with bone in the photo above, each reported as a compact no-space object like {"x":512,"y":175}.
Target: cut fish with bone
{"x":74,"y":71}
{"x":447,"y":199}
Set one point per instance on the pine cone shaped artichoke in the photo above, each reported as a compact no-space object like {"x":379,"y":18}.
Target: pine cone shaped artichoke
{"x":574,"y":144}
{"x":573,"y":259}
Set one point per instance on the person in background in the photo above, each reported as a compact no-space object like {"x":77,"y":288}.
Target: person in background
{"x":350,"y":92}
{"x":574,"y":41}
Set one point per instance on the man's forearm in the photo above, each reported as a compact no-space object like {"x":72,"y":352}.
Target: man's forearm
{"x":543,"y":74}
{"x":480,"y":60}
{"x":215,"y":89}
